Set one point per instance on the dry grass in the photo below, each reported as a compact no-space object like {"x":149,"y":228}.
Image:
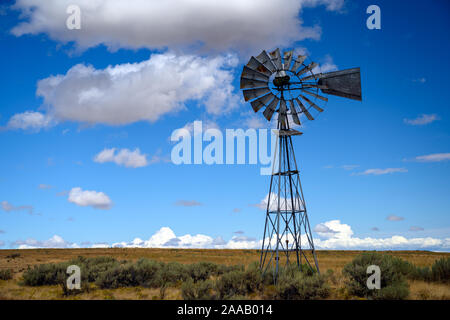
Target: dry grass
{"x":19,"y":260}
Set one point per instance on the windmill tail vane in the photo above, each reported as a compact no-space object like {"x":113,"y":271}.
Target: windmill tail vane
{"x":292,"y":88}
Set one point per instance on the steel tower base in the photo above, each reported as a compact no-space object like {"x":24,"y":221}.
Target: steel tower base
{"x":287,"y":233}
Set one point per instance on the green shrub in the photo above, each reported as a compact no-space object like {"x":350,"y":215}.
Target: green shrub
{"x":200,"y":290}
{"x":423,"y":274}
{"x":440,"y":270}
{"x":148,"y":273}
{"x":301,"y":286}
{"x":119,"y":276}
{"x":230,"y":284}
{"x":397,"y":291}
{"x":203,"y":270}
{"x":6,"y":274}
{"x":241,"y":282}
{"x":45,"y":274}
{"x":55,"y":273}
{"x":393,"y":281}
{"x":171,"y":273}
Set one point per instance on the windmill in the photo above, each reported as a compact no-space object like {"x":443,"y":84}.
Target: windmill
{"x":290,"y":87}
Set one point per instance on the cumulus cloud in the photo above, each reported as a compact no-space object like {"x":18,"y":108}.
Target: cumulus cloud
{"x":44,"y":186}
{"x":378,"y":172}
{"x":84,"y":198}
{"x":341,"y":238}
{"x":8,"y":207}
{"x":205,"y":25}
{"x":421,"y":120}
{"x":123,"y":157}
{"x":131,"y":92}
{"x":54,"y":242}
{"x":165,"y":237}
{"x":326,"y":66}
{"x":393,"y":217}
{"x":30,"y":120}
{"x":187,"y":203}
{"x":346,"y":240}
{"x":435,"y":157}
{"x":285,"y":204}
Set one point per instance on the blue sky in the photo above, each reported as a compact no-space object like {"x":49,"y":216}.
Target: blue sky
{"x":375,"y":172}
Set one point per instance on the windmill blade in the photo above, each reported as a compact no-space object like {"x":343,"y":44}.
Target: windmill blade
{"x":253,"y":75}
{"x":261,"y":102}
{"x":250,"y":83}
{"x":255,"y":93}
{"x":294,"y":113}
{"x":306,"y":112}
{"x":265,"y":60}
{"x":276,"y":58}
{"x":255,"y":65}
{"x":309,"y":67}
{"x":315,"y":95}
{"x":287,"y":58}
{"x":268,"y":113}
{"x":307,"y":85}
{"x":344,"y":83}
{"x":298,"y":63}
{"x":312,"y":104}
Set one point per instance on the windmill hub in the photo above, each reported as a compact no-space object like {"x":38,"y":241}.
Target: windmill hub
{"x":287,"y":233}
{"x":281,"y":81}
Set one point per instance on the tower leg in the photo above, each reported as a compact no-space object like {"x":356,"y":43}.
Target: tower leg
{"x":287,"y":230}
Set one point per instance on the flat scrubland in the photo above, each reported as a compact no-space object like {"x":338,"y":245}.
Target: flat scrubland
{"x":331,"y":264}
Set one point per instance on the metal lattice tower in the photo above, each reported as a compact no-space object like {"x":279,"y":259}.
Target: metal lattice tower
{"x":280,"y":84}
{"x":286,"y":214}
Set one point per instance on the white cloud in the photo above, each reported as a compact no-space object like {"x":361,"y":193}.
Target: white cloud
{"x":423,"y":119}
{"x":435,"y":157}
{"x":344,"y":239}
{"x":378,"y":172}
{"x":123,"y":157}
{"x":393,"y":217}
{"x":54,"y":242}
{"x":8,"y":207}
{"x":44,"y":186}
{"x":333,"y":228}
{"x":327,"y":66}
{"x":285,"y":204}
{"x":84,"y":198}
{"x":420,"y":80}
{"x":187,"y":203}
{"x":341,"y":237}
{"x":30,"y":120}
{"x":144,"y":91}
{"x":350,"y":167}
{"x":205,"y":125}
{"x":193,"y":24}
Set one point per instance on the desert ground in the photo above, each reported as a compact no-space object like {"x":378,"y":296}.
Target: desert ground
{"x":19,"y":260}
